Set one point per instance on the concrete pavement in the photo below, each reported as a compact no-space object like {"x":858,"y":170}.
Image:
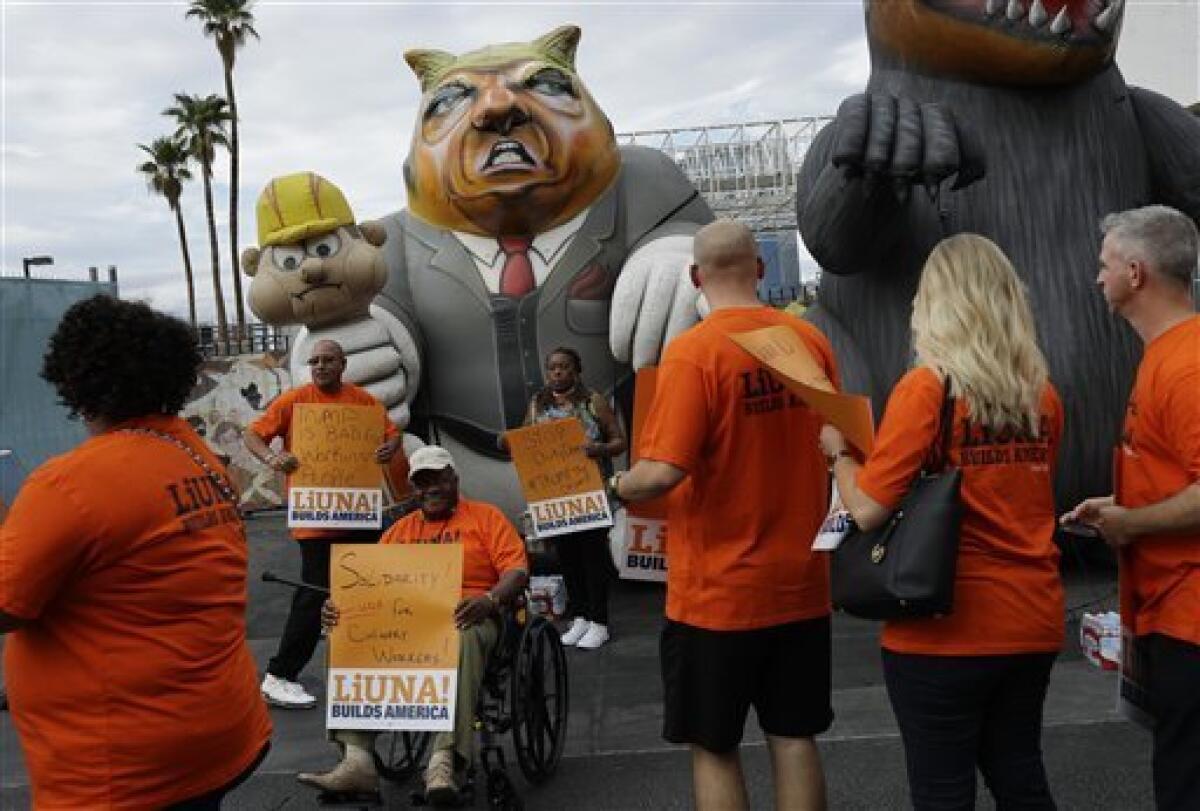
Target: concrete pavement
{"x":616,"y":759}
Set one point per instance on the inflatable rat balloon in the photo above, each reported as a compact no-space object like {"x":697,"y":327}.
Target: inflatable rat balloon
{"x":1009,"y":119}
{"x":528,"y":228}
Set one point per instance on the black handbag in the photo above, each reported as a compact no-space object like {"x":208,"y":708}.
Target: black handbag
{"x":906,"y":567}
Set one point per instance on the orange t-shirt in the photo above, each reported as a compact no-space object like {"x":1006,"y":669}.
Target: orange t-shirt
{"x":1008,"y":597}
{"x":740,"y":526}
{"x":131,"y":685}
{"x":1160,"y":456}
{"x":491,"y":546}
{"x":276,"y":421}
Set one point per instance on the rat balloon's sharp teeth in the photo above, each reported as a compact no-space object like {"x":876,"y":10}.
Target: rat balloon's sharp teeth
{"x":1106,"y":21}
{"x":1037,"y":14}
{"x":1062,"y":23}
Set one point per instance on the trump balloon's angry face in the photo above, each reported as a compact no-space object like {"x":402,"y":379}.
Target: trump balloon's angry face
{"x":508,"y":140}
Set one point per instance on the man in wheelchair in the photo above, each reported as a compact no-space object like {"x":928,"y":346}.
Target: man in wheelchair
{"x":495,"y":572}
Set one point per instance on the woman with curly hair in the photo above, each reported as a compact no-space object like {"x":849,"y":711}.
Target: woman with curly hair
{"x":967,"y":689}
{"x":123,"y":584}
{"x":585,"y":557}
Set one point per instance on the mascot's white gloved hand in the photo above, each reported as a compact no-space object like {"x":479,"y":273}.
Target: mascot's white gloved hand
{"x":381,"y":356}
{"x":654,"y":300}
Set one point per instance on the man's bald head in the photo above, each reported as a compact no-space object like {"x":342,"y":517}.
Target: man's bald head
{"x":327,"y":347}
{"x":328,"y":362}
{"x":726,"y":264}
{"x":727,"y":249}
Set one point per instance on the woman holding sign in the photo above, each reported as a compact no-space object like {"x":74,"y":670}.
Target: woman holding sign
{"x":586,"y":561}
{"x":123,"y":584}
{"x":968,"y":688}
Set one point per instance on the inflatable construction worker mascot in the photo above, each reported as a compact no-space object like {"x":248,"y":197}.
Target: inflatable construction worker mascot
{"x":315,"y":267}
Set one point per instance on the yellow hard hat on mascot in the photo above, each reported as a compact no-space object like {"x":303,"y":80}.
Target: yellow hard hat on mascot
{"x":298,"y":206}
{"x":313,"y":266}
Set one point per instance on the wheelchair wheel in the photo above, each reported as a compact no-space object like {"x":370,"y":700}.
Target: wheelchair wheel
{"x":399,"y":754}
{"x":540,"y":699}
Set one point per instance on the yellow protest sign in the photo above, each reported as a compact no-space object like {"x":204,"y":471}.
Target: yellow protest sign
{"x":338,"y":484}
{"x":782,"y":351}
{"x":561,"y":484}
{"x":393,"y":656}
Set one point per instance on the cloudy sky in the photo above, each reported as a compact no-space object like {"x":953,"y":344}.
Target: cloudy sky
{"x":326,"y":89}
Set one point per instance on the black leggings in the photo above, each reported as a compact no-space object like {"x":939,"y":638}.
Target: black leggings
{"x":587,"y":568}
{"x":959,"y":712}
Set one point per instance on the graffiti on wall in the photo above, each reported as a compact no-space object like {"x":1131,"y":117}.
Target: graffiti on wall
{"x":230,"y":394}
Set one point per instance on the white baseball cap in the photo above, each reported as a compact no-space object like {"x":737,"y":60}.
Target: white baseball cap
{"x":430,"y":457}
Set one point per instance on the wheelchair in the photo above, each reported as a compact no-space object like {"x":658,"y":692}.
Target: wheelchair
{"x":525,"y":691}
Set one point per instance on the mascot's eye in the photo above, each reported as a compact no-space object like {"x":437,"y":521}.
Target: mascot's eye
{"x":446,"y":99}
{"x":324,"y":247}
{"x":551,"y":82}
{"x":287,"y":258}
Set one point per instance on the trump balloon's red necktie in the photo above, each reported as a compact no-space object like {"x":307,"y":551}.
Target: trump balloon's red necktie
{"x":516,"y":277}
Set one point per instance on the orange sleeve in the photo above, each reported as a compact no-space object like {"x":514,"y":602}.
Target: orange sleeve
{"x":401,"y":531}
{"x":906,"y":433}
{"x":678,"y":423}
{"x":43,"y":541}
{"x":276,"y":420}
{"x":503,"y":543}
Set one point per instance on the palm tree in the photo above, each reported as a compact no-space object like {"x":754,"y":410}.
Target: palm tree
{"x":229,"y":23}
{"x":165,"y":174}
{"x":202,"y":128}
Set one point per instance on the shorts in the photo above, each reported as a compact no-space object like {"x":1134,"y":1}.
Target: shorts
{"x":712,"y":678}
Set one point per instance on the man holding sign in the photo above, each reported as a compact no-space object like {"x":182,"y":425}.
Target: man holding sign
{"x":303,"y":628}
{"x":494,"y":572}
{"x":747,"y":599}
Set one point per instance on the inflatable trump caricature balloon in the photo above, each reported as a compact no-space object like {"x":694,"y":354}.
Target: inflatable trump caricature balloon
{"x":1010,"y":119}
{"x":527,"y":228}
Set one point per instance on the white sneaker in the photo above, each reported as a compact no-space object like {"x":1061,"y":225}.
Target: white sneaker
{"x":578,"y":629}
{"x":596,"y":636}
{"x":287,"y":694}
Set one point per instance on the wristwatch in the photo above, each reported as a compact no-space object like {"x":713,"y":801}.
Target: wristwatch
{"x":613,"y":484}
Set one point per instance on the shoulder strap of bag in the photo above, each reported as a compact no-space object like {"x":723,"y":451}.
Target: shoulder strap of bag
{"x":223,"y":486}
{"x":940,"y":452}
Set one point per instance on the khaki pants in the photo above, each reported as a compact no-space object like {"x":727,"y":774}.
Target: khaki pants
{"x":475,"y":644}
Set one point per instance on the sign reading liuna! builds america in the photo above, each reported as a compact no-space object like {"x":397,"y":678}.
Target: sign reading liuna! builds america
{"x":393,"y":654}
{"x":338,"y":485}
{"x":561,"y":484}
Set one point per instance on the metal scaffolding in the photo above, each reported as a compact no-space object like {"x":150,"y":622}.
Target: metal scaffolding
{"x":745,"y":171}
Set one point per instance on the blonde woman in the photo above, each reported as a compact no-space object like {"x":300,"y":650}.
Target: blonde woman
{"x":967,"y":689}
